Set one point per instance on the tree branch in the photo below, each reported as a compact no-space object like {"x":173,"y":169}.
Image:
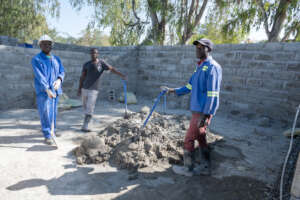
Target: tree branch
{"x":265,"y":16}
{"x":199,"y":15}
{"x":278,"y":20}
{"x":294,"y":27}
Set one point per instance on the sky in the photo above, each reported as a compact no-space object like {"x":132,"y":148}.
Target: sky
{"x":70,"y":20}
{"x":73,"y":22}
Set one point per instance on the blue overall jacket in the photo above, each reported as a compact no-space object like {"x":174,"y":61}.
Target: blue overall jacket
{"x":204,"y":86}
{"x":46,"y":71}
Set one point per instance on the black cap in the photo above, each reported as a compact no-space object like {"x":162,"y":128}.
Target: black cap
{"x":204,"y":42}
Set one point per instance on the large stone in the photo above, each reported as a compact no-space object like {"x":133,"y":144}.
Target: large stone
{"x":288,"y":132}
{"x":131,"y":98}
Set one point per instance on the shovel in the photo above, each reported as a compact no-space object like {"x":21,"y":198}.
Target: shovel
{"x":154,"y":106}
{"x":149,"y":115}
{"x":125,"y":99}
{"x":53,"y":136}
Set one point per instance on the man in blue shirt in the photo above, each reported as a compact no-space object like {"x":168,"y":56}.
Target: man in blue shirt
{"x":48,"y":75}
{"x":204,"y":86}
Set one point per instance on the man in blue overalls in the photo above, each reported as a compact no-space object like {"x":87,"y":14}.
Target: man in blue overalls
{"x":48,"y":75}
{"x":204,"y":86}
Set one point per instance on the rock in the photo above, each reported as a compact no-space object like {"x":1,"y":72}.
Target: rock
{"x":65,"y":103}
{"x":133,"y":146}
{"x":78,"y":151}
{"x":148,"y":145}
{"x":131,"y":98}
{"x":93,"y":142}
{"x":79,"y":160}
{"x":119,"y":142}
{"x":92,"y":152}
{"x":288,"y":132}
{"x":145,"y":110}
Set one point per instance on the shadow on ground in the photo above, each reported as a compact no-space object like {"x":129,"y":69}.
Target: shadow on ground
{"x":170,"y":186}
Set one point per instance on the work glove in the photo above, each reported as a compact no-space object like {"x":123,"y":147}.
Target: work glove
{"x":57,"y":84}
{"x":50,"y":94}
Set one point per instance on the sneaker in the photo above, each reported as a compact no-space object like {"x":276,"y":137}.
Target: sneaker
{"x":48,"y":141}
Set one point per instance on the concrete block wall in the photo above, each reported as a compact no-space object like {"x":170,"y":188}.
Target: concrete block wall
{"x":16,"y":74}
{"x":261,"y":79}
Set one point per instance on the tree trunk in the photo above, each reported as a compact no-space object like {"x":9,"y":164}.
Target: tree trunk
{"x":190,"y":25}
{"x":280,"y":16}
{"x":157,"y":32}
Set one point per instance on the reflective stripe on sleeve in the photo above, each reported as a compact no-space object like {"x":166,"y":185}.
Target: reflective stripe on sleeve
{"x":212,"y":93}
{"x":189,"y":86}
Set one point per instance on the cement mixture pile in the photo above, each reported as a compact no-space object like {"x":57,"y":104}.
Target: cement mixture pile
{"x":127,"y":145}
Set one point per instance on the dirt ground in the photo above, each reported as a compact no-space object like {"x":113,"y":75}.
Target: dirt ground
{"x":246,"y":160}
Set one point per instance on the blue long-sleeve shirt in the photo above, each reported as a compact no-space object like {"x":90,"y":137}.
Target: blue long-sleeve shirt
{"x":204,"y":85}
{"x":47,"y":70}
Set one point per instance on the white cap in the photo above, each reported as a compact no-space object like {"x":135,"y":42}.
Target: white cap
{"x":45,"y":38}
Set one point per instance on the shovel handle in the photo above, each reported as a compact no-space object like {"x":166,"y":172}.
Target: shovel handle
{"x":125,"y":94}
{"x":154,"y":106}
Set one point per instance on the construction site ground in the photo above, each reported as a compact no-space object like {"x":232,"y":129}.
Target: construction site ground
{"x":246,"y":160}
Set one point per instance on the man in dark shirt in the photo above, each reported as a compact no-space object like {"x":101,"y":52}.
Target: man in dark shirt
{"x":89,"y":84}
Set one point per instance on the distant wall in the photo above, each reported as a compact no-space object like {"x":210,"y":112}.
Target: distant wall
{"x":257,"y":78}
{"x":16,"y":75}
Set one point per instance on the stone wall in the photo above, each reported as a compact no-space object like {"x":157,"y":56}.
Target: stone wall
{"x":261,"y":79}
{"x":16,"y":74}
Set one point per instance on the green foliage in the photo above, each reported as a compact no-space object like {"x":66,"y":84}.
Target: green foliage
{"x":275,"y":16}
{"x":214,"y":32}
{"x":92,"y":37}
{"x":147,"y":22}
{"x":89,"y":37}
{"x":24,"y":19}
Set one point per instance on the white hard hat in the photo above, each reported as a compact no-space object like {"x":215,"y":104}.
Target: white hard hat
{"x":45,"y":38}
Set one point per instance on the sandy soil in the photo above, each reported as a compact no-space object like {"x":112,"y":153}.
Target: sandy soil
{"x":246,"y":161}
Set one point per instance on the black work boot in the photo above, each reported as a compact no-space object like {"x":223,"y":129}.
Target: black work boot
{"x":187,"y":169}
{"x":205,"y":151}
{"x":85,"y":126}
{"x":205,"y":166}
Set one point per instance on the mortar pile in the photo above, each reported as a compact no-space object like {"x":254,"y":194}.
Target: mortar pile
{"x":127,"y":145}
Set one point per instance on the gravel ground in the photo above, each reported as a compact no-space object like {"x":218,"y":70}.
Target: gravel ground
{"x":289,"y":173}
{"x":246,"y":161}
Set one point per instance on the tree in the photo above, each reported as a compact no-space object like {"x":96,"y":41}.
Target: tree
{"x":276,"y":16}
{"x":91,"y":37}
{"x":148,"y":22}
{"x":190,"y":13}
{"x":24,"y":19}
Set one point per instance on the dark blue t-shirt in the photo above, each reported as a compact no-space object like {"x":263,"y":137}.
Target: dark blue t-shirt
{"x":93,"y":72}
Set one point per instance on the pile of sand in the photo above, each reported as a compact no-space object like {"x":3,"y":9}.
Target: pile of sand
{"x":127,"y":145}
